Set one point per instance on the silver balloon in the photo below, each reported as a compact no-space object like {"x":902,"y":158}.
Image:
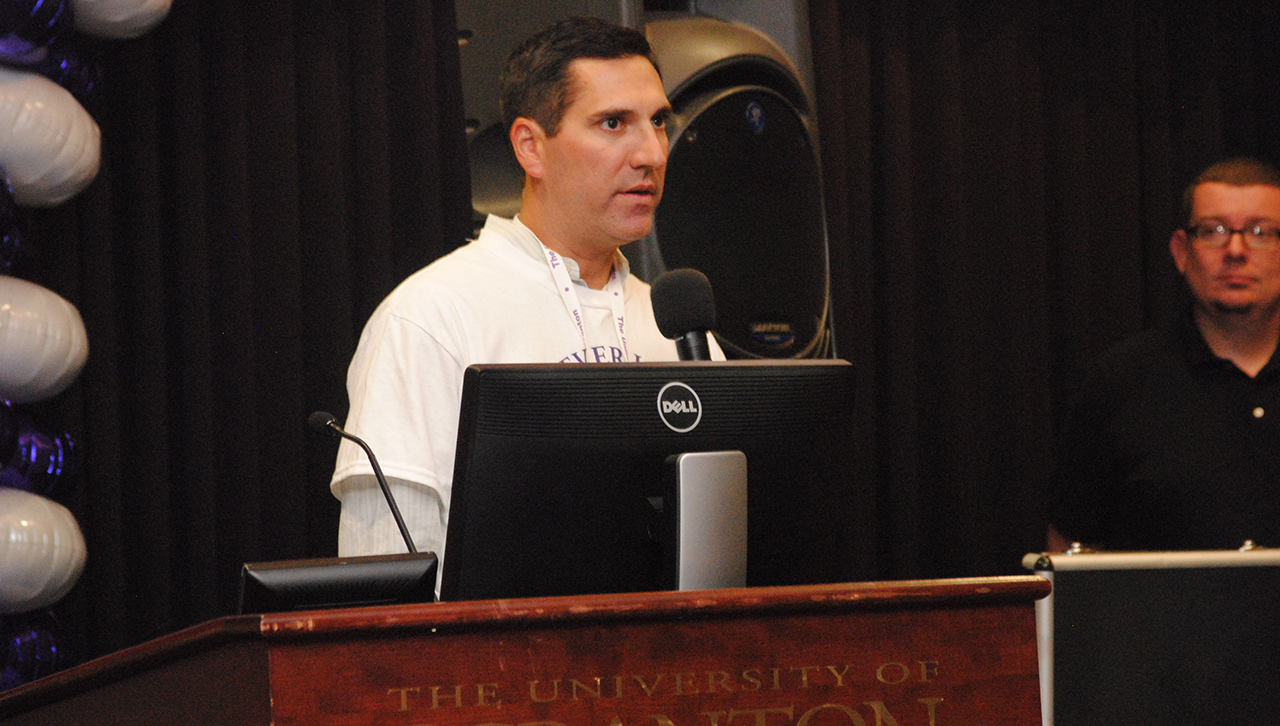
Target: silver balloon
{"x":42,"y":551}
{"x":49,"y":144}
{"x":43,"y":345}
{"x":119,"y":19}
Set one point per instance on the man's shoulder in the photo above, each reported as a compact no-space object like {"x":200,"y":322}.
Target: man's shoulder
{"x":439,"y":281}
{"x":1151,"y":354}
{"x":473,"y":271}
{"x":471,"y":258}
{"x":1140,"y":347}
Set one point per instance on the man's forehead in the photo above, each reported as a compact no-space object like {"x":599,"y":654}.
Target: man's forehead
{"x":591,"y":76}
{"x":578,"y":66}
{"x":1211,"y":198}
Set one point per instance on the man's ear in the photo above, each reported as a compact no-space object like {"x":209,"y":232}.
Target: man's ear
{"x":527,"y":140}
{"x":1180,"y":247}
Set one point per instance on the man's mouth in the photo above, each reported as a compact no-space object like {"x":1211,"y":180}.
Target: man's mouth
{"x":1236,"y":281}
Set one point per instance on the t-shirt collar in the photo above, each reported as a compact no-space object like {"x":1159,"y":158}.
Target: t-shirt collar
{"x":527,"y":242}
{"x":1198,"y":353}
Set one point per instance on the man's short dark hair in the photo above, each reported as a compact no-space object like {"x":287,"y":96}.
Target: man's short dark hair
{"x":535,"y":80}
{"x":1239,"y":172}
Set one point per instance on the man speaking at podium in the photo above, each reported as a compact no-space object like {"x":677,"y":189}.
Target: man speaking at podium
{"x":586,"y":112}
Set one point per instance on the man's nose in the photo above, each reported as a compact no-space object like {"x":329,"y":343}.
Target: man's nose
{"x":1236,"y":246}
{"x":651,"y":148}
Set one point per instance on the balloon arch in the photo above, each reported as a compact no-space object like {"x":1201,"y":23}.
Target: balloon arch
{"x":49,"y":152}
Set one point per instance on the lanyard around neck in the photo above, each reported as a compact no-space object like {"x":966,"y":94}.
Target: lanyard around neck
{"x":565,"y":285}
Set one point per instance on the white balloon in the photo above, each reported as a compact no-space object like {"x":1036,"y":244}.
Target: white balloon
{"x":118,"y":19}
{"x":43,"y":345}
{"x":50,"y":147}
{"x":42,"y":551}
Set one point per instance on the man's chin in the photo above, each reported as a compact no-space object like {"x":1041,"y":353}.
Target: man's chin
{"x":1227,"y":307}
{"x":633,"y":229}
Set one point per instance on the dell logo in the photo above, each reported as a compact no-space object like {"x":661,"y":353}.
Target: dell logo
{"x":679,"y":407}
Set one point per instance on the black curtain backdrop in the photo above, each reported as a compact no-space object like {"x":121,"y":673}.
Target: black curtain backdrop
{"x":1000,"y":189}
{"x":271,"y":170}
{"x":1001,"y":184}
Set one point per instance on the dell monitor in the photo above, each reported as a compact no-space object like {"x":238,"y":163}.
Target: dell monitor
{"x":563,"y":472}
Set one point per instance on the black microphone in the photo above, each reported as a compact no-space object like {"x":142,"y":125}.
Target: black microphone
{"x":324,"y":422}
{"x":685,"y":310}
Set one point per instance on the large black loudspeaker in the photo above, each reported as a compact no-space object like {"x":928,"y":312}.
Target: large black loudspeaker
{"x":743,"y":198}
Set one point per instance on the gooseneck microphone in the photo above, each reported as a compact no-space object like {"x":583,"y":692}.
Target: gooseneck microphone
{"x":324,"y":422}
{"x":685,"y":310}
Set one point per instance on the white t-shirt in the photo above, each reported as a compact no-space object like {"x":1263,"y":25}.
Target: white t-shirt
{"x":495,"y":300}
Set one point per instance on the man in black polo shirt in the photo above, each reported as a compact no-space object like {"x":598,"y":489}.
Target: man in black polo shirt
{"x":1174,"y":439}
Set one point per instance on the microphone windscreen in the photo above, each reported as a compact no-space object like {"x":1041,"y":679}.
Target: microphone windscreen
{"x":683,"y":303}
{"x":320,"y":421}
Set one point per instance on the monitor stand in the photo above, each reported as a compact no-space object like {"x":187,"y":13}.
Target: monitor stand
{"x":705,"y":527}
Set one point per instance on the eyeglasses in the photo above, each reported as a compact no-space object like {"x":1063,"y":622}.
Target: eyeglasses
{"x":1217,"y":236}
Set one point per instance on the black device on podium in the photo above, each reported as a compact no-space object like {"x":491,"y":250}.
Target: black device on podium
{"x":334,"y":582}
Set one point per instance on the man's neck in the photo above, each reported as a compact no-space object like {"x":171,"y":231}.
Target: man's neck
{"x":593,"y":270}
{"x":595,"y":263}
{"x":1246,"y":339}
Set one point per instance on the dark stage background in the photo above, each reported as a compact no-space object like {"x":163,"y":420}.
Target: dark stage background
{"x":1000,"y":190}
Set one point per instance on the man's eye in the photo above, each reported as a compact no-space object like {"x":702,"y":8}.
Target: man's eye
{"x":613,"y":124}
{"x":1202,"y":231}
{"x":659,"y":121}
{"x":1261,"y":231}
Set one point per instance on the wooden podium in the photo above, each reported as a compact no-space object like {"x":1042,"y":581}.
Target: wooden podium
{"x":919,"y":653}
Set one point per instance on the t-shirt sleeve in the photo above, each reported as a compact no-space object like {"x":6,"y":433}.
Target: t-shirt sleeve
{"x":404,"y":385}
